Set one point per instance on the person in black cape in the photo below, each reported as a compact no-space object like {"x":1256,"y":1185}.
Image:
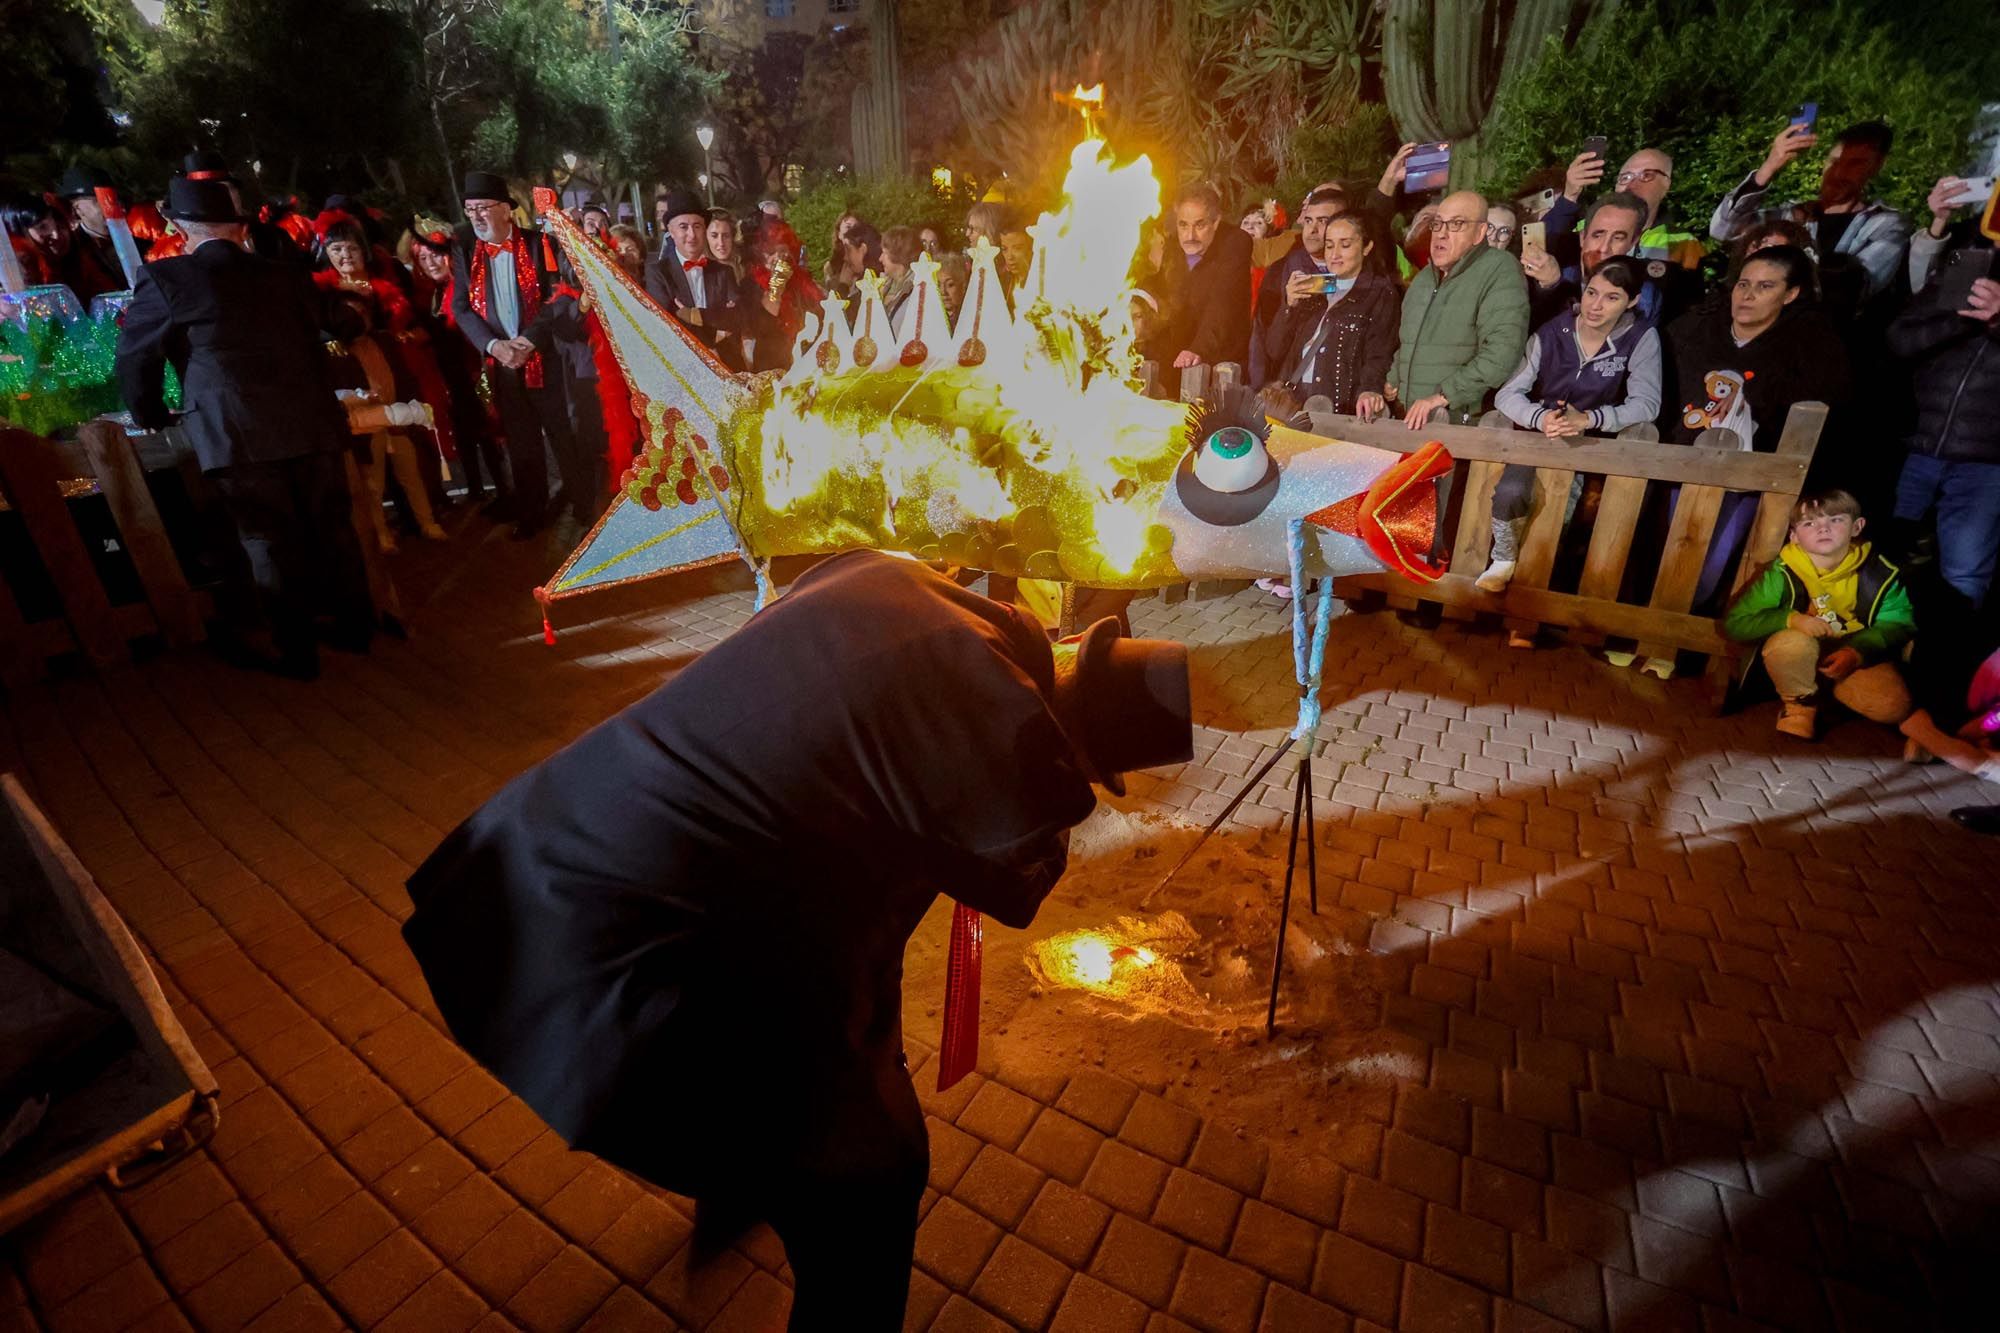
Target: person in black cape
{"x":680,"y":938}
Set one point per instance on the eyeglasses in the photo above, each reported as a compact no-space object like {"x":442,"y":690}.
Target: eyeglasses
{"x":1456,"y":225}
{"x":1502,"y":232}
{"x":1648,"y":175}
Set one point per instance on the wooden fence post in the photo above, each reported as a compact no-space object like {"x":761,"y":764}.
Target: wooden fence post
{"x":33,"y":474}
{"x":139,"y":527}
{"x":1194,"y":383}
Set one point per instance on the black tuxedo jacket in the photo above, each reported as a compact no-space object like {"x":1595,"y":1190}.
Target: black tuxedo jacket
{"x":245,"y":336}
{"x":557,"y":329}
{"x":725,"y":311}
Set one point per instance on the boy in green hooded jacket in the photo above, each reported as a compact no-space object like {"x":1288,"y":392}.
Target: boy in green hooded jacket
{"x":1829,"y":611}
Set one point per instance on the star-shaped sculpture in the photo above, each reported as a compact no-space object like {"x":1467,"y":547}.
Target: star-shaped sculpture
{"x":925,"y":270}
{"x":871,"y":283}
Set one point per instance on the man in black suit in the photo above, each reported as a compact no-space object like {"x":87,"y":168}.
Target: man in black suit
{"x":258,"y":405}
{"x":694,"y":287}
{"x":1211,"y":291}
{"x":506,"y":300}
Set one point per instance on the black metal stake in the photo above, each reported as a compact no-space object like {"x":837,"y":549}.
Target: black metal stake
{"x":1312,"y":825}
{"x":1216,"y":823}
{"x":1285,"y":907}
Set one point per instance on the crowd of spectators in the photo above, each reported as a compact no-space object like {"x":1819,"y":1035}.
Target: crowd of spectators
{"x":1587,"y":309}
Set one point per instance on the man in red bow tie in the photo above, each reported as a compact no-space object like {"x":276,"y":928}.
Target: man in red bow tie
{"x":688,"y":285}
{"x":510,"y":304}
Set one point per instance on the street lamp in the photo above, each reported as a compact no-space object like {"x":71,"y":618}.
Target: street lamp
{"x":705,"y":136}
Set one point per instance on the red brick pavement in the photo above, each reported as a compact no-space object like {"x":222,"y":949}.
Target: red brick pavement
{"x":1705,"y":1027}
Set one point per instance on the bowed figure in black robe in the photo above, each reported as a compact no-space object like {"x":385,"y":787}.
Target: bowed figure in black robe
{"x":680,"y":939}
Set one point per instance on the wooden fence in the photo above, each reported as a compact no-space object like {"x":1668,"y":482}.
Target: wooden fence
{"x":40,"y":479}
{"x":1659,"y":626}
{"x":1663,"y":623}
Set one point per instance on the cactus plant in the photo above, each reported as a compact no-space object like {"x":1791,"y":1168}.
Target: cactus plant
{"x":1444,"y":60}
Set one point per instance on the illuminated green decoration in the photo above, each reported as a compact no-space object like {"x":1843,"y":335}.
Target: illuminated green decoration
{"x":55,"y":374}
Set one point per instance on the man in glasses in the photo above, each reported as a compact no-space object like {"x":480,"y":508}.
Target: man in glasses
{"x":1647,"y":175}
{"x":1464,"y":323}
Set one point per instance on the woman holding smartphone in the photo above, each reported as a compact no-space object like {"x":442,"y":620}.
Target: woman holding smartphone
{"x":1337,"y":331}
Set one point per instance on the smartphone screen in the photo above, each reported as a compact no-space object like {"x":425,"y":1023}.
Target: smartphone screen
{"x":1807,"y":115}
{"x":1428,"y":167}
{"x":1535,"y":234}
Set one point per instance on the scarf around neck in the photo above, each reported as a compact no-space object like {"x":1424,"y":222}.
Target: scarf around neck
{"x":525,"y":279}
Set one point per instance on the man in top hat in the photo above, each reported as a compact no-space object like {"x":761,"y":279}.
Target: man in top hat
{"x":508,"y":299}
{"x":680,"y":939}
{"x":92,"y":232}
{"x":691,"y":285}
{"x":258,"y":405}
{"x":266,"y":239}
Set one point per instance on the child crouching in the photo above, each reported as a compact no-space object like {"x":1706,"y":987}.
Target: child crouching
{"x":1829,"y":611}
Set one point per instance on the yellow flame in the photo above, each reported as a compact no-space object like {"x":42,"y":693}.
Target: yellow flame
{"x":1055,"y":394}
{"x":1092,"y":961}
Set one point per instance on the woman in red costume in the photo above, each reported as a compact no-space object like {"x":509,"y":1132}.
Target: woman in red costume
{"x":478,"y":452}
{"x":388,"y":313}
{"x":789,"y":294}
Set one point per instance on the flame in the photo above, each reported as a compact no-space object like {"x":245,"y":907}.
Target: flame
{"x":1092,"y":961}
{"x":925,"y":451}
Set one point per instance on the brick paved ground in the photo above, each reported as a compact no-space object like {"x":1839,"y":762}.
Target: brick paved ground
{"x":1706,"y":1026}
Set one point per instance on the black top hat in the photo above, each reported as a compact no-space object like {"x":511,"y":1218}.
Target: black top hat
{"x":676,"y":202}
{"x":486,"y":185}
{"x":206,"y":166}
{"x":1123,"y":702}
{"x":80,"y":182}
{"x":201,"y":201}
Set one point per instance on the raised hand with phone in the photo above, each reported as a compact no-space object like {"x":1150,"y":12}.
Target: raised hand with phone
{"x":1843,"y":219}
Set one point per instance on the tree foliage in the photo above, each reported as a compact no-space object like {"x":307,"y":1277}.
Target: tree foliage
{"x":1712,"y":84}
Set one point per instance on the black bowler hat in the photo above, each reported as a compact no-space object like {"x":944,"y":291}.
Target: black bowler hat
{"x":1123,"y":702}
{"x":485,"y":185}
{"x":206,"y":166}
{"x":191,"y":200}
{"x":82,"y":182}
{"x":676,"y":202}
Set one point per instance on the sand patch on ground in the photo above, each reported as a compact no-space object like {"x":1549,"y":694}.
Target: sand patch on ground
{"x":1170,"y":989}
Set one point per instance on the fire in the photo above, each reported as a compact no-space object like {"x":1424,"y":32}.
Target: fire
{"x":1092,"y":961}
{"x":1006,"y":439}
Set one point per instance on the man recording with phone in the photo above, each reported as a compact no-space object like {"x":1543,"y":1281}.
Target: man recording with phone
{"x":1648,"y":175}
{"x":1843,"y":220}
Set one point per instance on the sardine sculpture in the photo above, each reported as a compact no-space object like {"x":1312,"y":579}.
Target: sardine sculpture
{"x":1015,"y":442}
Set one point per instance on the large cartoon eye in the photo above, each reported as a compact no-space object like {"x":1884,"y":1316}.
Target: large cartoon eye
{"x":1231,"y":460}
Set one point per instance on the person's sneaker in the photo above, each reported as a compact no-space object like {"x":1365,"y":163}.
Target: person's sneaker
{"x":1496,"y":578}
{"x":1663,"y":667}
{"x":1520,"y":639}
{"x":1796,"y":718}
{"x":1276,"y":587}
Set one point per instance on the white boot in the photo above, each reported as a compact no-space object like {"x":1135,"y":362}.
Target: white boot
{"x":1506,"y":550}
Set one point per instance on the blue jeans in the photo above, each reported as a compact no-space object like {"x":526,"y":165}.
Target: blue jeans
{"x":1966,"y":498}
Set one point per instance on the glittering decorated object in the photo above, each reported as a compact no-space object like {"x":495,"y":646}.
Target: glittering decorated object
{"x":57,"y":364}
{"x":1016,"y":442}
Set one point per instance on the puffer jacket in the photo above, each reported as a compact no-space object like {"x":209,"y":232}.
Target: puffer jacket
{"x":1956,"y":376}
{"x":1462,"y":337}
